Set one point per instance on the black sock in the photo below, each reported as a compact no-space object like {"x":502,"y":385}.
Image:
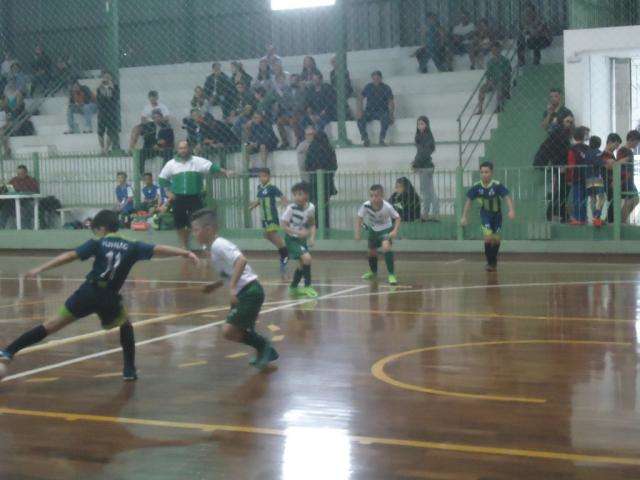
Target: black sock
{"x":496,"y":249}
{"x":33,"y":336}
{"x":254,"y":339}
{"x":373,"y":264}
{"x":297,"y":276}
{"x":306,"y":273}
{"x":388,"y":260}
{"x":128,"y":343}
{"x":487,"y":252}
{"x":284,"y":253}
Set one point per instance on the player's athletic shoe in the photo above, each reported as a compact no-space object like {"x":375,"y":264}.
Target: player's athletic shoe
{"x":295,"y":292}
{"x":309,"y":292}
{"x":393,"y":280}
{"x":5,"y":356}
{"x":283,"y":265}
{"x":597,"y":222}
{"x":266,"y":355}
{"x":129,"y":374}
{"x":369,"y":276}
{"x":491,"y":268}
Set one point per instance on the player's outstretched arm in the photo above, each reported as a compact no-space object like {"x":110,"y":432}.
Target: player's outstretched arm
{"x":58,"y":261}
{"x":210,"y":287}
{"x":358,"y":232}
{"x":396,"y":227}
{"x":465,"y":212}
{"x":238,"y":267}
{"x":512,"y":211}
{"x":167,"y":251}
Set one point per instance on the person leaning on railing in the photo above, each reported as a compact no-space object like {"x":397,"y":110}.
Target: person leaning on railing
{"x":25,"y":184}
{"x":498,"y":79}
{"x":576,"y":162}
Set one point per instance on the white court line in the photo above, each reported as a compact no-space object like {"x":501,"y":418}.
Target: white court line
{"x":166,"y":337}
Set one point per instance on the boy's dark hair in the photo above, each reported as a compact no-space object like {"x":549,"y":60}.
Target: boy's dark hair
{"x":124,"y":174}
{"x":595,"y":142}
{"x":106,"y":219}
{"x":260,"y":91}
{"x":153,"y":93}
{"x":265,"y":170}
{"x":377,"y":73}
{"x":497,"y":45}
{"x":377,"y":188}
{"x":633,"y":136}
{"x":555,"y":90}
{"x":487,"y":164}
{"x":300,"y":187}
{"x":23,"y":167}
{"x":580,"y":134}
{"x":148,"y":174}
{"x":614,"y":138}
{"x":206,"y":217}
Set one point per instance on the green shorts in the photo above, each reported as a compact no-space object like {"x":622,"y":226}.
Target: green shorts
{"x":245,"y":314}
{"x":270,"y":226}
{"x":376,"y":238}
{"x":297,"y":247}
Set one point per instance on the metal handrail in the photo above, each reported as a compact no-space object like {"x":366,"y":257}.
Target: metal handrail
{"x":463,"y":146}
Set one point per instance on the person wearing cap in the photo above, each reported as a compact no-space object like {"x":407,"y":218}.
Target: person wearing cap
{"x":379,"y":105}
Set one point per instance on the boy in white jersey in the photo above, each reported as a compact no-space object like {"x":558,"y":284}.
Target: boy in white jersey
{"x":299,"y":223}
{"x":247,"y":295}
{"x":382,"y":222}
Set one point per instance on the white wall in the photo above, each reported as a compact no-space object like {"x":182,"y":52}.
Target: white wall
{"x":587,"y":75}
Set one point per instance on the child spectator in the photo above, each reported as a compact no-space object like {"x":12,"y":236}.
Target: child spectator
{"x":481,"y":43}
{"x":264,"y":77}
{"x":405,"y":200}
{"x":380,"y":105}
{"x":423,"y":165}
{"x":153,"y":197}
{"x":80,"y":101}
{"x":238,"y":75}
{"x":498,"y":79}
{"x":124,"y":196}
{"x":607,"y":160}
{"x":200,"y":101}
{"x":309,"y":69}
{"x":594,"y":182}
{"x":261,"y":139}
{"x":576,"y":161}
{"x":145,"y":117}
{"x":624,"y":157}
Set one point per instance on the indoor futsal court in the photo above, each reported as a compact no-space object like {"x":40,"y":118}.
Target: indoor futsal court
{"x":528,"y":373}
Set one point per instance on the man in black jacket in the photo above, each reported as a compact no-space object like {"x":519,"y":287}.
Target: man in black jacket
{"x":321,"y":104}
{"x":158,"y":140}
{"x":220,"y":90}
{"x":209,"y":137}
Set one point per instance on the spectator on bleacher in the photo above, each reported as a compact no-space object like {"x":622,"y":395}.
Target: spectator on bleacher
{"x":65,"y":72}
{"x":219,"y":89}
{"x":576,"y":175}
{"x":41,"y":67}
{"x":555,"y":113}
{"x":200,"y":101}
{"x":243,"y":98}
{"x":405,"y":200}
{"x":348,"y":87}
{"x":302,"y":149}
{"x":320,"y":104}
{"x":238,"y":75}
{"x":242,"y":121}
{"x":124,"y":198}
{"x":433,"y":45}
{"x":145,"y":117}
{"x":481,"y":43}
{"x":624,"y":157}
{"x":19,"y":77}
{"x":14,"y":100}
{"x":309,"y":69}
{"x":153,"y":197}
{"x":108,"y":103}
{"x":462,"y":34}
{"x":280,"y":78}
{"x":21,"y":183}
{"x":4,"y":131}
{"x":261,"y":139}
{"x":5,"y":69}
{"x":271,"y":57}
{"x":534,"y":35}
{"x":209,"y":137}
{"x":266,"y":103}
{"x":264,"y":77}
{"x":321,"y":156}
{"x":291,"y":110}
{"x":498,"y":79}
{"x":158,"y":139}
{"x":81,"y":101}
{"x":380,"y":105}
{"x":424,"y":166}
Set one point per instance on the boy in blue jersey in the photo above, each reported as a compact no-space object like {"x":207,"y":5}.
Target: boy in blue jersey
{"x":489,"y":194}
{"x":153,"y":197}
{"x":268,"y":195}
{"x":124,"y":194}
{"x":114,"y":257}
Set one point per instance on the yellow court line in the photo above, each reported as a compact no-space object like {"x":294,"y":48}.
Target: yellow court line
{"x":475,"y":315}
{"x":377,"y":370}
{"x":192,"y":364}
{"x":363,"y":440}
{"x":108,"y":375}
{"x":273,"y":328}
{"x":277,"y":338}
{"x":237,"y":355}
{"x":43,"y":380}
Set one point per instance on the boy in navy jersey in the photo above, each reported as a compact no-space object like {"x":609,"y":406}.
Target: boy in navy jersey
{"x":114,"y":257}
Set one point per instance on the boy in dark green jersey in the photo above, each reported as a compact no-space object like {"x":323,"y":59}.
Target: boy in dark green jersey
{"x":489,"y":193}
{"x":267,"y":201}
{"x":114,"y":257}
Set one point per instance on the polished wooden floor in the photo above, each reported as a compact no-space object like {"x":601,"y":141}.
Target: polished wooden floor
{"x":531,"y":373}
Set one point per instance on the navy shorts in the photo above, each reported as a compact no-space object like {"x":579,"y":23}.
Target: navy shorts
{"x":491,"y":223}
{"x":89,"y":299}
{"x":183,"y":207}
